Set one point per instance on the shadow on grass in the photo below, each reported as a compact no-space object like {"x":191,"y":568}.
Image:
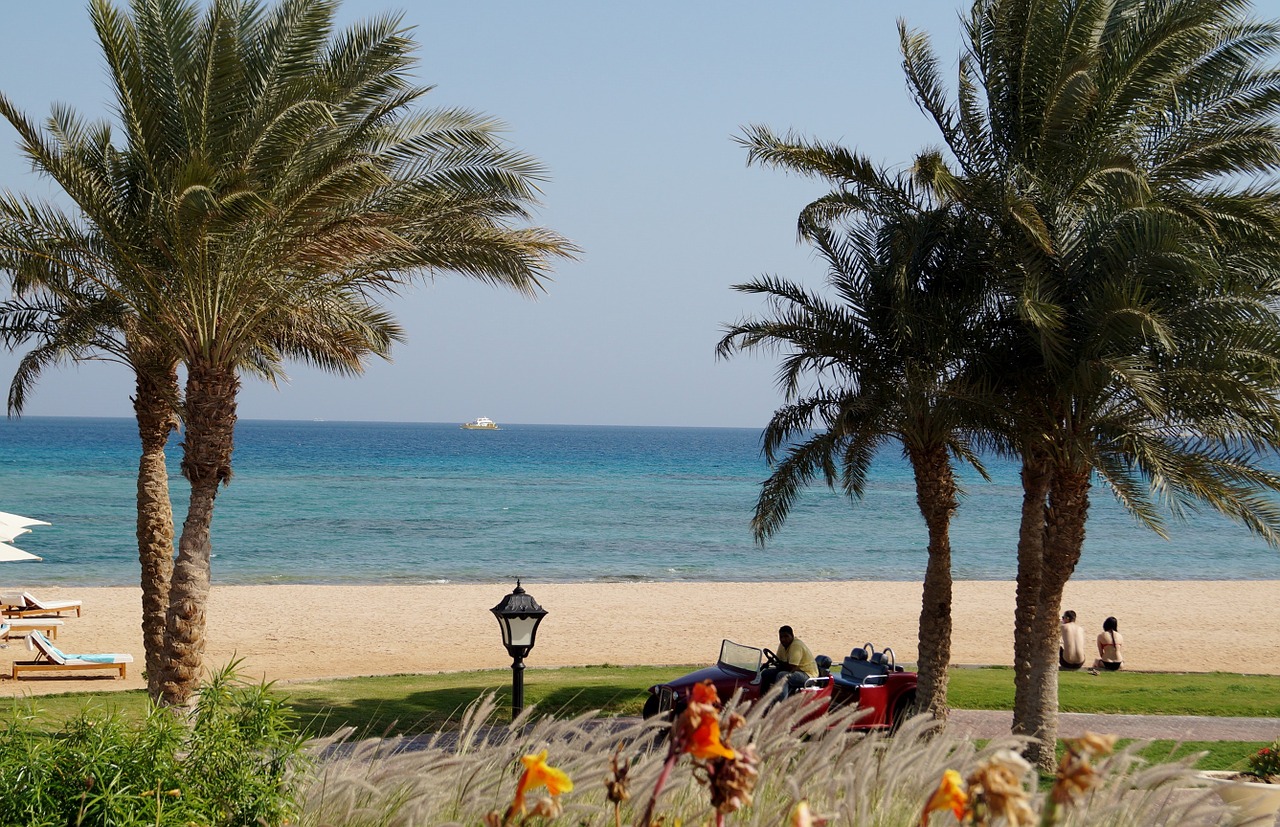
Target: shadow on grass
{"x":414,"y":713}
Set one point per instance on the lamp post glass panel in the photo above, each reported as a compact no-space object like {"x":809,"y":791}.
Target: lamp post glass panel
{"x":518,"y":616}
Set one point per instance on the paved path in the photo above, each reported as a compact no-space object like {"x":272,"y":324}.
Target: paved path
{"x":991,"y":724}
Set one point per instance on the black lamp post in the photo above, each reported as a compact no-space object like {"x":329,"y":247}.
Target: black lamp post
{"x":518,"y":616}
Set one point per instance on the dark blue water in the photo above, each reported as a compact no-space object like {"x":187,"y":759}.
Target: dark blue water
{"x":329,"y":502}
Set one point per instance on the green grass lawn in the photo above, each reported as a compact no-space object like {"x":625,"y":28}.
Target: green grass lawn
{"x":407,"y":704}
{"x":1138,"y":693}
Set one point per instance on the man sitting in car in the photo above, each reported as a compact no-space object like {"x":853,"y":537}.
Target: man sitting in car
{"x":794,"y":660}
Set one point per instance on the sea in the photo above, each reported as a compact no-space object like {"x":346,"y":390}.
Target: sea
{"x":381,"y":502}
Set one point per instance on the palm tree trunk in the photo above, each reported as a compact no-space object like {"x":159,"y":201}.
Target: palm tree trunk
{"x":206,"y":462}
{"x":936,"y":497}
{"x":1063,"y":543}
{"x":153,"y":405}
{"x":1035,"y":491}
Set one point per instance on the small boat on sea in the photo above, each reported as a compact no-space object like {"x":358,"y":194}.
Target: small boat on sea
{"x":484,"y":423}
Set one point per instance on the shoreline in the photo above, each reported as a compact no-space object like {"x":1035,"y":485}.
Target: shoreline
{"x":298,"y":632}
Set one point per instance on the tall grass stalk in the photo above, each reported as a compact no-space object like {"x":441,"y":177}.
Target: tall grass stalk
{"x":870,"y":780}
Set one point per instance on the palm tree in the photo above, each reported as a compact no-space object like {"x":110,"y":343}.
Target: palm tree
{"x":883,"y":357}
{"x":1110,"y":148}
{"x":68,"y":318}
{"x":293,"y":183}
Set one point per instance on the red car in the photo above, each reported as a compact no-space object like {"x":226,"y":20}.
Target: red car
{"x":872,"y":680}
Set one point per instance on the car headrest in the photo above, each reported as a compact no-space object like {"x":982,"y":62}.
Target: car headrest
{"x":879,"y":657}
{"x":858,"y":654}
{"x":822,"y":662}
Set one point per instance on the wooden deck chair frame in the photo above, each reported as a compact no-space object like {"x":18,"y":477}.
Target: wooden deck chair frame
{"x":50,"y":661}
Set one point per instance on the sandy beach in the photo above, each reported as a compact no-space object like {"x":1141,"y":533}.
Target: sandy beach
{"x":288,"y":633}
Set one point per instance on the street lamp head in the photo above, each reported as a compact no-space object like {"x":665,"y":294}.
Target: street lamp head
{"x":518,"y":616}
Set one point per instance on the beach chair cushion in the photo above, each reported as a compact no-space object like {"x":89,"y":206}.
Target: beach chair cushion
{"x":11,"y":626}
{"x":44,"y":647}
{"x":26,"y":603}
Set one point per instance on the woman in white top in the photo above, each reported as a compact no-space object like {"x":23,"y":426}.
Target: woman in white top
{"x":1110,"y":646}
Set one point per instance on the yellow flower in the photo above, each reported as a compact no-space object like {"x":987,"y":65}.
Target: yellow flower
{"x":950,"y":795}
{"x":537,"y":774}
{"x":802,"y":816}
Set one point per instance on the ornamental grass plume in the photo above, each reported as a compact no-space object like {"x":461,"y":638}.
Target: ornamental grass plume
{"x":865,"y":779}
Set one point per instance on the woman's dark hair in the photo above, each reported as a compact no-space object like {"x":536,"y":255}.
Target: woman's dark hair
{"x":1069,"y":616}
{"x":1110,"y":625}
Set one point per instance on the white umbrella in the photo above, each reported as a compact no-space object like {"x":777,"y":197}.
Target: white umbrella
{"x":9,"y":553}
{"x":8,"y":532}
{"x":18,"y":521}
{"x":12,"y":525}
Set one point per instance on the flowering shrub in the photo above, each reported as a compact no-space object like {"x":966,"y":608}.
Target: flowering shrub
{"x":1265,"y":763}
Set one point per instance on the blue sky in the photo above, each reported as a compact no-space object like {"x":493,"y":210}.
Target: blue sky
{"x":633,"y":108}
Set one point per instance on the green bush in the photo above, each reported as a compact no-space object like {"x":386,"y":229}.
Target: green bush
{"x":227,"y":762}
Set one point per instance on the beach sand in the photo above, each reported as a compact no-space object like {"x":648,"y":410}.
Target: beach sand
{"x":290,"y":633}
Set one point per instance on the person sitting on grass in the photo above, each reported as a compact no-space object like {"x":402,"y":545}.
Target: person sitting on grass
{"x":1071,"y":652}
{"x":794,"y":660}
{"x":1110,"y":647}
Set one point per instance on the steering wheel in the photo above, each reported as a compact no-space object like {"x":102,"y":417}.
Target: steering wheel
{"x":770,"y":659}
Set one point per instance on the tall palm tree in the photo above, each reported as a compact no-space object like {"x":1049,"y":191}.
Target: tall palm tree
{"x":293,"y":184}
{"x":64,"y":317}
{"x":1111,"y":149}
{"x":878,"y":361}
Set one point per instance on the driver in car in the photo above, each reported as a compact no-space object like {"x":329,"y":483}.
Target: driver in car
{"x":794,"y":660}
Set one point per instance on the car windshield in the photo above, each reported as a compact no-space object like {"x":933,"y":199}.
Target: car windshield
{"x":737,"y":656}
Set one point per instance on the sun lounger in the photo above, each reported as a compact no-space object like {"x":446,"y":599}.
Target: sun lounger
{"x":50,"y":659}
{"x":27,"y":604}
{"x":14,"y":626}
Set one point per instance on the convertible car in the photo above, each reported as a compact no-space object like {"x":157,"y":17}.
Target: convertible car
{"x":872,"y":680}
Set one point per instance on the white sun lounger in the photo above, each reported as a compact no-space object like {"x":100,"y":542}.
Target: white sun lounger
{"x":51,"y":659}
{"x":27,"y":604}
{"x":14,"y":626}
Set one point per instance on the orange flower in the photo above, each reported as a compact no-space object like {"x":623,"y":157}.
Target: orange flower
{"x":538,"y":774}
{"x":950,"y":795}
{"x":705,"y":693}
{"x":705,"y":743}
{"x":699,"y":725}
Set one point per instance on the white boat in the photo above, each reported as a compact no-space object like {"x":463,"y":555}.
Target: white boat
{"x":484,"y":423}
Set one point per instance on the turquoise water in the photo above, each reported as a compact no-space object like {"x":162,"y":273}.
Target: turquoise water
{"x":329,"y":502}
